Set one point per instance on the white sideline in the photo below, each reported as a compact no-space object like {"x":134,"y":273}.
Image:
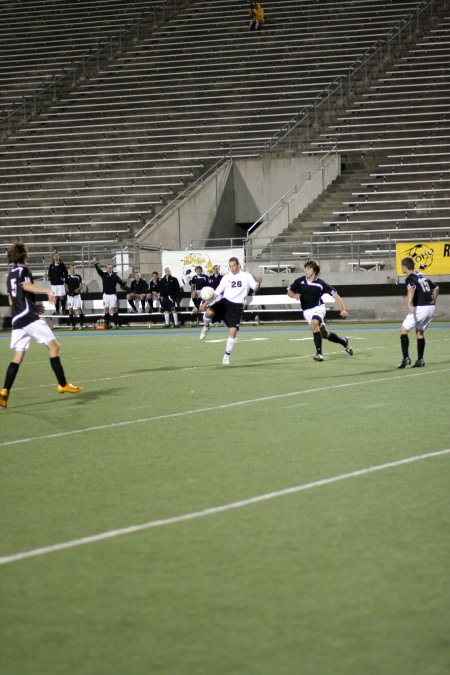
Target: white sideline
{"x":112,"y":534}
{"x":214,"y":408}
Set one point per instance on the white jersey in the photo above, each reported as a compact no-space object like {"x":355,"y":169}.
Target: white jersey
{"x":235,"y":287}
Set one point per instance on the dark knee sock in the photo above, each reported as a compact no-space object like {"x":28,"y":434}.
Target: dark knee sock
{"x":420,"y":348}
{"x":10,"y":376}
{"x":332,"y":337}
{"x":81,"y":319}
{"x":116,"y":318}
{"x":56,"y":365}
{"x":107,"y":319}
{"x":404,"y":342}
{"x":132,"y":305}
{"x":57,"y":304}
{"x":318,"y":341}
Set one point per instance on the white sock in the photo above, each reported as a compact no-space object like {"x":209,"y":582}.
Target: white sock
{"x":166,"y":318}
{"x":175,"y":318}
{"x":206,"y":321}
{"x":230,"y":344}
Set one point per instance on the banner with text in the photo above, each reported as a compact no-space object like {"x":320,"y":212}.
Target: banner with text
{"x":182,"y":263}
{"x":431,"y":257}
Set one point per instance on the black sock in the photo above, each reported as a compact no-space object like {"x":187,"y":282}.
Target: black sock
{"x":56,"y":364}
{"x":72,"y":319}
{"x":404,"y":342}
{"x":132,"y":305}
{"x":332,"y":337}
{"x":116,"y":318}
{"x":107,"y":319}
{"x":143,"y":305}
{"x":318,"y":341}
{"x":63,"y":304}
{"x":420,"y":348}
{"x":57,"y":306}
{"x":10,"y":376}
{"x":81,"y":319}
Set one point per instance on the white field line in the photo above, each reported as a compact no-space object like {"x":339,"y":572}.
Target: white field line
{"x":280,"y":359}
{"x":216,"y":408}
{"x":133,"y":529}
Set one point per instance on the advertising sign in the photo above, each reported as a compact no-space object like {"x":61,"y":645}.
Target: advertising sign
{"x":432,"y":258}
{"x":182,"y":263}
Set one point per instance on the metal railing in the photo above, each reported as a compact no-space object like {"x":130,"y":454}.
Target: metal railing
{"x":309,"y":114}
{"x":280,"y":203}
{"x":354,"y":245}
{"x":106,"y":50}
{"x":285,"y":134}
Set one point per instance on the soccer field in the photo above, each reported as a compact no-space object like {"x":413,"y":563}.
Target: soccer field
{"x":275,"y":517}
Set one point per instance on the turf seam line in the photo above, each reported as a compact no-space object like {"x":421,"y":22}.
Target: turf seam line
{"x":133,"y":529}
{"x":223,"y":406}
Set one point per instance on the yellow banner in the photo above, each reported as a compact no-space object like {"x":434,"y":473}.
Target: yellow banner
{"x":431,"y":257}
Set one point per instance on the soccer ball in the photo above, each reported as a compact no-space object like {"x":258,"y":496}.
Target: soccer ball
{"x":207,"y":293}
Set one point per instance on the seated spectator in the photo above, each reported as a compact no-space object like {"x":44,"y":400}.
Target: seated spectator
{"x":138,"y":289}
{"x":153,"y":292}
{"x":256,"y":16}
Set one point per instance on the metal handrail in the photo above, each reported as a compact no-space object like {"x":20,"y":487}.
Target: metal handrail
{"x":337,"y":85}
{"x":181,"y":195}
{"x":301,"y":181}
{"x":303,"y":115}
{"x":79,"y":68}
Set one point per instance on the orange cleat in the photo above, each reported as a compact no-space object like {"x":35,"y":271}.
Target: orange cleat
{"x":4,"y":393}
{"x":68,"y":389}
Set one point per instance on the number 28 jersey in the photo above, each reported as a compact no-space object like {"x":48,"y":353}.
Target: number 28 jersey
{"x":236,"y":287}
{"x":23,"y":307}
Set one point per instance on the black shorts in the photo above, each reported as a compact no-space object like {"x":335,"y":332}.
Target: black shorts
{"x":167,"y":304}
{"x":228,"y":312}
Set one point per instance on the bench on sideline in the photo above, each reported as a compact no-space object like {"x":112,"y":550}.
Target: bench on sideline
{"x":257,"y":304}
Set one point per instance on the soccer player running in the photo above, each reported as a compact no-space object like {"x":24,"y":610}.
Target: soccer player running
{"x":27,"y":324}
{"x":309,"y":290}
{"x":421,"y":304}
{"x":228,"y":304}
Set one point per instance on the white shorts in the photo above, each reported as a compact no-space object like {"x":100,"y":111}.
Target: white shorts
{"x":74,"y":302}
{"x":58,"y":291}
{"x":109,"y":301}
{"x":419,"y":318}
{"x":38,"y":330}
{"x":319,"y":311}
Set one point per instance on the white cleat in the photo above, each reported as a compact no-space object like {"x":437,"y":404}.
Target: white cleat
{"x":318,"y":357}
{"x":226,"y":360}
{"x":204,"y":333}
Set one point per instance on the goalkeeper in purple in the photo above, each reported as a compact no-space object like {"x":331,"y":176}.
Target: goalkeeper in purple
{"x":228,"y":303}
{"x":309,"y":290}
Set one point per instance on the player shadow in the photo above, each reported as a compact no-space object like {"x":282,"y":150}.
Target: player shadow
{"x":76,"y":399}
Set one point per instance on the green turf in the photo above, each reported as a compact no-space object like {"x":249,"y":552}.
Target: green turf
{"x":347,"y":578}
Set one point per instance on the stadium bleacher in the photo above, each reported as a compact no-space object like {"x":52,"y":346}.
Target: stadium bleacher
{"x":115,"y":149}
